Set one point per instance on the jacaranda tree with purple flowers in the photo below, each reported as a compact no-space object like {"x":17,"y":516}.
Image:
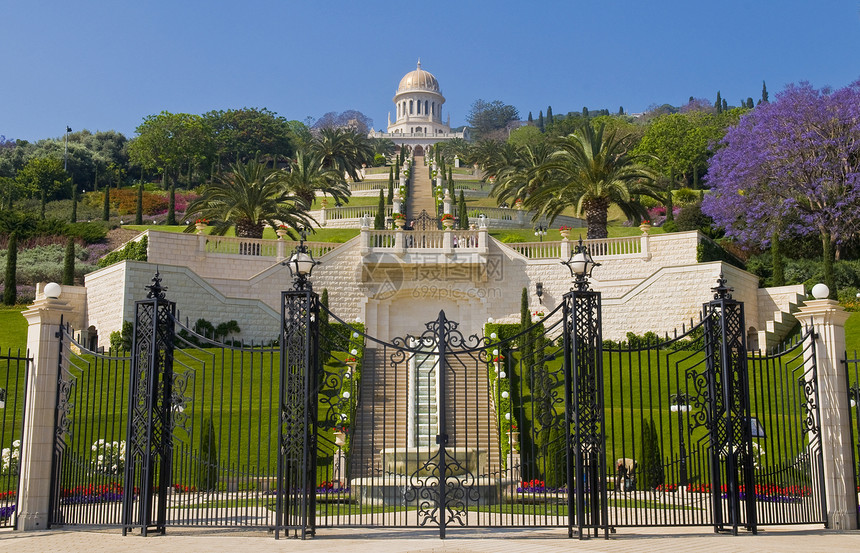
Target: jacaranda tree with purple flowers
{"x":791,"y":166}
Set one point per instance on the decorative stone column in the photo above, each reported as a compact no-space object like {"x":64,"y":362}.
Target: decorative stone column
{"x":364,"y":233}
{"x":828,"y":318}
{"x":37,"y":446}
{"x":323,"y":216}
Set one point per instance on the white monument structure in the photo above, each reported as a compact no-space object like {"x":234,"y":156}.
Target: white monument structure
{"x":418,"y":106}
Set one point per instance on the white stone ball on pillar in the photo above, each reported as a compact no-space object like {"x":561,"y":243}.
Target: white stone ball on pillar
{"x":820,"y":291}
{"x":53,"y":290}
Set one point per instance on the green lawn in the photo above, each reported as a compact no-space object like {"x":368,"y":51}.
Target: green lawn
{"x":13,"y":329}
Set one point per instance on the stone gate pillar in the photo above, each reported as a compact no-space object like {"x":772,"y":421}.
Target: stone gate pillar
{"x":828,"y":318}
{"x":37,"y":446}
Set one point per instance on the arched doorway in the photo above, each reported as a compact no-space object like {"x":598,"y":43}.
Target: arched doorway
{"x":418,"y":151}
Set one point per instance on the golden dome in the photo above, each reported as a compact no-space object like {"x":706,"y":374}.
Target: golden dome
{"x":418,"y":79}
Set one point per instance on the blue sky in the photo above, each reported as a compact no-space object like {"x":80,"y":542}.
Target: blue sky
{"x":106,"y":65}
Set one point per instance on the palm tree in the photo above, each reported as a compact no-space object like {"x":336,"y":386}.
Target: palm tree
{"x":306,"y":176}
{"x":518,"y":172}
{"x":343,"y":150}
{"x":248,"y":196}
{"x":590,"y":170}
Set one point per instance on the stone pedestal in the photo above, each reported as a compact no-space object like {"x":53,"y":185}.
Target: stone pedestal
{"x":37,"y":446}
{"x":828,"y":318}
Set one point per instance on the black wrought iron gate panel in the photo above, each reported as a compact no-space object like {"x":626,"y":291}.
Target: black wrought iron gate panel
{"x":852,"y":365}
{"x":786,"y":438}
{"x":90,"y":437}
{"x":13,"y":377}
{"x":446,"y":430}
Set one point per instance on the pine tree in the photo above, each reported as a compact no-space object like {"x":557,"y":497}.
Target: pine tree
{"x":540,"y":121}
{"x":10,"y":292}
{"x":138,"y":211}
{"x":549,"y":115}
{"x":207,"y":472}
{"x":106,"y":206}
{"x":379,"y":220}
{"x":531,"y":121}
{"x":763,"y":92}
{"x":69,"y":263}
{"x":171,"y":206}
{"x":74,"y":217}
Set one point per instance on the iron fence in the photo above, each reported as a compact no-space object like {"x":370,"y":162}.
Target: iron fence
{"x":13,"y":379}
{"x":852,"y":366}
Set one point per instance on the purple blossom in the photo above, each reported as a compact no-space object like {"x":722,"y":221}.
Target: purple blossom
{"x":792,"y":166}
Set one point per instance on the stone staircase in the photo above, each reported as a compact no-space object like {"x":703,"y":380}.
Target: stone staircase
{"x":385,"y":420}
{"x":780,"y":323}
{"x":420,"y":191}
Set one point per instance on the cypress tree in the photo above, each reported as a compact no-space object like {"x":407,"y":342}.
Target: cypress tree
{"x":763,"y":92}
{"x":106,"y":206}
{"x":325,"y":329}
{"x":620,"y":110}
{"x":138,"y":212}
{"x":725,"y":106}
{"x":450,"y":174}
{"x":650,"y":472}
{"x":525,"y":338}
{"x":379,"y":220}
{"x":390,"y":184}
{"x":776,"y":257}
{"x":171,"y":206}
{"x":584,"y":111}
{"x":749,"y":103}
{"x":531,"y":120}
{"x":10,"y":292}
{"x":207,"y":473}
{"x":69,"y":263}
{"x":540,"y":121}
{"x":74,"y":217}
{"x":556,"y":468}
{"x":549,"y":115}
{"x":719,"y":103}
{"x":464,"y":216}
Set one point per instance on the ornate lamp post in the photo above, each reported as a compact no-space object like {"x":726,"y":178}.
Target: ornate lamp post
{"x":301,"y":264}
{"x":580,"y":264}
{"x":540,"y":232}
{"x":583,"y":376}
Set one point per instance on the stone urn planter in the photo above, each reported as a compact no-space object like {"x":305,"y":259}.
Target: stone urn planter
{"x":281,"y":232}
{"x":448,"y":223}
{"x":400,"y":223}
{"x":645,"y":227}
{"x":340,"y":438}
{"x":565,"y":234}
{"x":200,"y":227}
{"x":514,"y":437}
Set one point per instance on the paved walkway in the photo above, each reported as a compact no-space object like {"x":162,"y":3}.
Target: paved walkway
{"x":806,"y":539}
{"x":421,"y":191}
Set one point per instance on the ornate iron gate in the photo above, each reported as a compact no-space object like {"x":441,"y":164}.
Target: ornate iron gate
{"x":90,"y":435}
{"x":13,"y":377}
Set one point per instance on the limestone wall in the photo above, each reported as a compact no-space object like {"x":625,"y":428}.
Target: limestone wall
{"x":773,"y":300}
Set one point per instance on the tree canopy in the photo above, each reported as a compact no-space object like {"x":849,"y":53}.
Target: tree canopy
{"x":487,"y":119}
{"x":794,"y":163}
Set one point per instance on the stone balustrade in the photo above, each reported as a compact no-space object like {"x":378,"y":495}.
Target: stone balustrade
{"x":624,"y":247}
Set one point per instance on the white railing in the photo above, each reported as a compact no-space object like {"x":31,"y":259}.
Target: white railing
{"x":423,"y":240}
{"x":538,"y":250}
{"x":351,"y":212}
{"x":365,"y":185}
{"x":241,"y":246}
{"x":605,"y":247}
{"x":231,"y":245}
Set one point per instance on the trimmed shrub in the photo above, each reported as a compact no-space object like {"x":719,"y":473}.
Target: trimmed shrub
{"x":134,"y":251}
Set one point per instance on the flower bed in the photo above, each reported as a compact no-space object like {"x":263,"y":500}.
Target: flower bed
{"x":88,"y":494}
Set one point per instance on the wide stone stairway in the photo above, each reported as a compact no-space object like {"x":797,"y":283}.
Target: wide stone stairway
{"x":421,"y":191}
